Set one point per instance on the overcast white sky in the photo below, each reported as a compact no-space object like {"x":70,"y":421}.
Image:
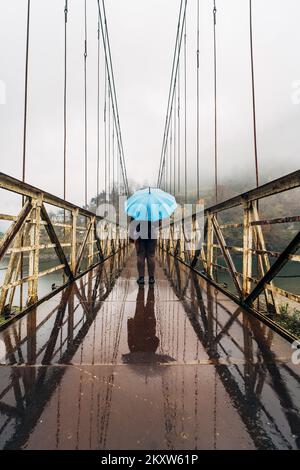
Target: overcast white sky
{"x":142,"y":34}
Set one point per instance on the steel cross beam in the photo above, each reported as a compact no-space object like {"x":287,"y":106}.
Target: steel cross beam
{"x":275,"y":268}
{"x":14,"y":229}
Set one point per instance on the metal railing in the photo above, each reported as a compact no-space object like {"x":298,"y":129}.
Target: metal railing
{"x":249,"y":269}
{"x":71,"y":242}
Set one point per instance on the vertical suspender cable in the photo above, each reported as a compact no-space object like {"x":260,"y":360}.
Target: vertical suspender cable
{"x":65,"y":99}
{"x":108,"y":160}
{"x":253,"y":97}
{"x":167,"y":171}
{"x":169,"y":143}
{"x":25,"y":133}
{"x":215,"y":111}
{"x":26,"y":94}
{"x":118,"y":173}
{"x":65,"y":116}
{"x":169,"y":106}
{"x":175,"y":129}
{"x":198,"y":116}
{"x":115,"y":102}
{"x":171,"y":154}
{"x":111,"y":84}
{"x":105,"y":135}
{"x":185,"y":117}
{"x":85,"y":109}
{"x":98,"y":111}
{"x":254,"y":129}
{"x":179,"y":140}
{"x":215,"y":103}
{"x":180,"y":28}
{"x":113,"y":161}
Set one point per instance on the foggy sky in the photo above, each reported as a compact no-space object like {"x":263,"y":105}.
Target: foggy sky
{"x":142,"y":34}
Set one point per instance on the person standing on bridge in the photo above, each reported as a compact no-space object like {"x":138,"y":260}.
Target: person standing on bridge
{"x":147,"y":207}
{"x":144,"y":235}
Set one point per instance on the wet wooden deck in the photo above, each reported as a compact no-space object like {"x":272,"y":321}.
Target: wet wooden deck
{"x":106,"y":364}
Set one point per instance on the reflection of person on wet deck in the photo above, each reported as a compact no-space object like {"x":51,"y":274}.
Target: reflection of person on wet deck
{"x":142,"y":328}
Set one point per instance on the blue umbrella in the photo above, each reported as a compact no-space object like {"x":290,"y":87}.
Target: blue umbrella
{"x":150,"y":204}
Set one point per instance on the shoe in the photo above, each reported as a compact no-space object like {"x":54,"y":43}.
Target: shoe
{"x":151,"y":280}
{"x":141,"y":280}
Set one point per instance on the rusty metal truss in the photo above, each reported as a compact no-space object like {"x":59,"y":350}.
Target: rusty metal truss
{"x":73,"y":241}
{"x":253,"y":284}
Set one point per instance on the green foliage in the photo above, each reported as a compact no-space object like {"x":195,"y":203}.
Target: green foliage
{"x":289,"y":319}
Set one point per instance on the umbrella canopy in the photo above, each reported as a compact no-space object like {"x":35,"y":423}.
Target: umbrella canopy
{"x":150,"y":204}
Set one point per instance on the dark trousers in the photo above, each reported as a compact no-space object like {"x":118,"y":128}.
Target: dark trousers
{"x":145,"y":249}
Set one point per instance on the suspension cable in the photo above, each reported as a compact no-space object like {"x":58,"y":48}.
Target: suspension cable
{"x":198,"y":115}
{"x":98,"y":112}
{"x":171,"y":154}
{"x":111,"y":83}
{"x":253,"y":97}
{"x":171,"y":81}
{"x":25,"y":136}
{"x":169,"y":145}
{"x":175,"y":129}
{"x":65,"y":98}
{"x":180,"y":28}
{"x":109,"y":152}
{"x":85,"y":110}
{"x":215,"y":103}
{"x":179,"y":130}
{"x":185,"y":118}
{"x":113,"y":162}
{"x":105,"y":134}
{"x":26,"y":93}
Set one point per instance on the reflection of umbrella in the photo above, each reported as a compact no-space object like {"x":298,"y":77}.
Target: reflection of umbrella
{"x":151,"y":204}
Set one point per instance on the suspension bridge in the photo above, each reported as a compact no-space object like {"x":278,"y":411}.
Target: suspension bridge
{"x":205,"y":359}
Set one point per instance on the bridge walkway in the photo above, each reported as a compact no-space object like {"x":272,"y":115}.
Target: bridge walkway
{"x":106,"y":364}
